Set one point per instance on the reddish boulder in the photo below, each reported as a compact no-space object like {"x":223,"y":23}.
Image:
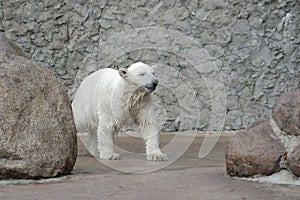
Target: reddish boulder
{"x":254,"y":151}
{"x":286,"y":112}
{"x":294,"y":161}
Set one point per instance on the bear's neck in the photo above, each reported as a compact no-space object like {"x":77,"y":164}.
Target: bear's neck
{"x":135,"y":98}
{"x":136,"y":102}
{"x":132,"y":94}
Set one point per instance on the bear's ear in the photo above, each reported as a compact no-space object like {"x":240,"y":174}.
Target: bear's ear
{"x":153,"y":67}
{"x":123,"y":73}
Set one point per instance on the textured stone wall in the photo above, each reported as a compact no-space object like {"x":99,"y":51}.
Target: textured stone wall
{"x":250,"y":47}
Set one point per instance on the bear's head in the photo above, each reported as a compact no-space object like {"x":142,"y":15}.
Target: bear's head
{"x":141,"y":76}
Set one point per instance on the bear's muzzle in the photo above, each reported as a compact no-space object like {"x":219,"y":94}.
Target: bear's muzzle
{"x":151,"y":87}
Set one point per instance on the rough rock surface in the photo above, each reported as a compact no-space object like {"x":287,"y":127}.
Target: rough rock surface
{"x":254,"y":44}
{"x":286,"y":112}
{"x":294,"y":161}
{"x":38,"y":136}
{"x":254,"y":151}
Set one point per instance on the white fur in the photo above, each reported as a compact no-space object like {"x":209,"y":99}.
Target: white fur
{"x":108,"y":99}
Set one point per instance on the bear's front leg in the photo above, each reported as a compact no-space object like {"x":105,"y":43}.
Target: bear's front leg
{"x":151,"y":139}
{"x":106,"y":147}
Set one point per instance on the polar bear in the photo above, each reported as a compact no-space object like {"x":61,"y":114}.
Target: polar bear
{"x":108,"y":99}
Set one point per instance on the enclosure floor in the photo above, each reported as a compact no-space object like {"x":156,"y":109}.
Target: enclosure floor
{"x":187,"y":178}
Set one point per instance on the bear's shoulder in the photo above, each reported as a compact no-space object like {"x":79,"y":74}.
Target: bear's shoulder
{"x":105,"y":73}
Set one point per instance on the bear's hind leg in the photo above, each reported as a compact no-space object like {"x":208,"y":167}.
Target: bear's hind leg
{"x":106,"y":147}
{"x":89,"y":141}
{"x":92,"y":144}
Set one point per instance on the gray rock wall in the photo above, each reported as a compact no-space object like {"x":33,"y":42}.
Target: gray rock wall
{"x":215,"y":58}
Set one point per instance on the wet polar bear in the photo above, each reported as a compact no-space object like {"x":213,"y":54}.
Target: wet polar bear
{"x":108,"y":99}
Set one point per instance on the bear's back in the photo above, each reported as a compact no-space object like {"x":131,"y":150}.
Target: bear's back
{"x":99,"y":83}
{"x":94,"y":89}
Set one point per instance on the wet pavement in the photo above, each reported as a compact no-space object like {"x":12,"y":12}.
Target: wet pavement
{"x":183,"y":177}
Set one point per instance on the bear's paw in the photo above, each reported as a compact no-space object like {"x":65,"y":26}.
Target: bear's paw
{"x":110,"y":156}
{"x":157,"y":156}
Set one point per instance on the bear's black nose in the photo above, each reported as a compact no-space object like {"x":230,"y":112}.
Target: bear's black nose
{"x":152,"y":86}
{"x":155,"y":82}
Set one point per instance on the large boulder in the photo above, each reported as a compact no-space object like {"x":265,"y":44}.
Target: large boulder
{"x":286,"y":112}
{"x":38,"y":136}
{"x":294,"y":161}
{"x":254,"y":151}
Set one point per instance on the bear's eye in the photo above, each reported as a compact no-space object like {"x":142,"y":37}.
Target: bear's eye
{"x":142,"y":74}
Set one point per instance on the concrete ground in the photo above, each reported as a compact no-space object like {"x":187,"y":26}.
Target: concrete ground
{"x":187,"y":177}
